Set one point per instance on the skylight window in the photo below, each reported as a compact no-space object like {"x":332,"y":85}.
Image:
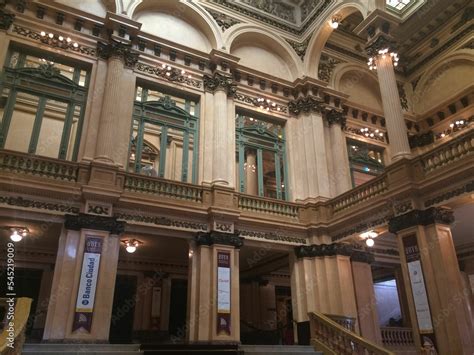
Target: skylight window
{"x":399,"y":4}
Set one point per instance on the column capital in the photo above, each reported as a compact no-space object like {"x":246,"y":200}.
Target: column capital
{"x":118,"y":50}
{"x":311,"y":251}
{"x":89,"y":221}
{"x":6,"y":19}
{"x":380,"y":42}
{"x":441,"y":215}
{"x":220,"y":81}
{"x":334,"y":116}
{"x":306,"y":104}
{"x":214,"y":237}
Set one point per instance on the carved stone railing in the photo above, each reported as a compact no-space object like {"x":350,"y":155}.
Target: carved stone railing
{"x":346,"y":322}
{"x":332,"y":338}
{"x":163,"y":188}
{"x":448,"y":153}
{"x":362,"y":193}
{"x":20,"y":163}
{"x":22,"y":312}
{"x":397,"y":337}
{"x":268,"y":206}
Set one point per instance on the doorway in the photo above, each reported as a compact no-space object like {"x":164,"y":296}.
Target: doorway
{"x":178,"y":308}
{"x":123,"y":309}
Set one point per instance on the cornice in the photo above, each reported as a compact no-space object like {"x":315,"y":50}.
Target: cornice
{"x":89,"y":221}
{"x":314,"y":250}
{"x":221,"y":238}
{"x":432,"y":215}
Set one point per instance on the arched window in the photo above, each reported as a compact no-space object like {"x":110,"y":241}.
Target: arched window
{"x":261,"y":157}
{"x":164,"y":139}
{"x":42,"y":105}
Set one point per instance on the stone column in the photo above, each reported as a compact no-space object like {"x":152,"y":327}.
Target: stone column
{"x":223,"y":157}
{"x":251,"y":174}
{"x":341,"y":173}
{"x":114,"y":126}
{"x":396,"y":128}
{"x":365,"y":297}
{"x":438,"y":301}
{"x":62,"y":311}
{"x":205,"y":323}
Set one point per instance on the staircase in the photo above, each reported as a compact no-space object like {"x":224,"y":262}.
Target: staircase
{"x":89,"y":349}
{"x":278,"y":350}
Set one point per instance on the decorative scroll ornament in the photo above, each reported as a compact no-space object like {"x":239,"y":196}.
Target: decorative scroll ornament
{"x":173,"y":74}
{"x":299,"y":47}
{"x":310,"y":251}
{"x":215,"y":237}
{"x":417,"y":217}
{"x":117,"y":49}
{"x":326,"y":67}
{"x":223,"y":21}
{"x":220,"y":82}
{"x":336,"y":117}
{"x":305,"y":104}
{"x":89,"y":221}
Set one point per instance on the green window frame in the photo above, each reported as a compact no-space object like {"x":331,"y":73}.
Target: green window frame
{"x":166,"y":114}
{"x":364,"y":159}
{"x":44,"y":81}
{"x":264,"y":137}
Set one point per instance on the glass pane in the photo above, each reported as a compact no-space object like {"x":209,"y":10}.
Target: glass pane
{"x":22,"y":121}
{"x":151,"y":150}
{"x":282,"y":179}
{"x":3,"y":103}
{"x":155,"y":95}
{"x":73,"y":136}
{"x":174,"y":154}
{"x":269,"y":175}
{"x":251,"y":171}
{"x":190,"y":158}
{"x":51,"y":130}
{"x":133,"y":146}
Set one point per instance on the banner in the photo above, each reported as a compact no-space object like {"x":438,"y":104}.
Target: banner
{"x":87,"y":284}
{"x":223,"y":292}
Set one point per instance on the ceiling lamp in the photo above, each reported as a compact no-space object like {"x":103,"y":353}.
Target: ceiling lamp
{"x":170,"y":71}
{"x":266,"y":104}
{"x":335,"y":21}
{"x":372,"y":63}
{"x":58,"y":40}
{"x":17,"y":233}
{"x":131,"y":245}
{"x":369,"y":238}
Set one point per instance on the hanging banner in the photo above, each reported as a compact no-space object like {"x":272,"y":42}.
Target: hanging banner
{"x":87,"y":284}
{"x":420,"y":296}
{"x":223,"y":292}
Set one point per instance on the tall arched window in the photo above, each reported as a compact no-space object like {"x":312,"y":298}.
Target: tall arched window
{"x":261,"y":157}
{"x":164,"y":137}
{"x":42,"y":104}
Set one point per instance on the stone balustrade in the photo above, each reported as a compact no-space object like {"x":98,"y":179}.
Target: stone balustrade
{"x":268,"y":206}
{"x":397,"y":337}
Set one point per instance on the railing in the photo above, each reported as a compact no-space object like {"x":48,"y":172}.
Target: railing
{"x":22,"y":311}
{"x":397,"y":337}
{"x":268,"y":206}
{"x":360,"y":194}
{"x":334,"y":339}
{"x":164,"y":188}
{"x":346,"y":322}
{"x":16,"y":162}
{"x":448,"y":153}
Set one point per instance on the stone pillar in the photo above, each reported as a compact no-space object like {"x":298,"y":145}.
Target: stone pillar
{"x":251,"y":174}
{"x":62,"y":310}
{"x":209,"y":320}
{"x":113,"y":137}
{"x":365,"y":297}
{"x":340,"y":159}
{"x":437,"y":299}
{"x":380,"y":49}
{"x":223,"y":143}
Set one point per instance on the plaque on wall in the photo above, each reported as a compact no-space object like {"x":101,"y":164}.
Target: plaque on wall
{"x":223,"y":293}
{"x":87,"y":284}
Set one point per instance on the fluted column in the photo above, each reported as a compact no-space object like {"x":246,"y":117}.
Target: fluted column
{"x":117,"y":104}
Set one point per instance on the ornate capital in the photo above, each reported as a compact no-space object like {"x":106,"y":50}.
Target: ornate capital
{"x":381,"y":42}
{"x":220,"y":82}
{"x":89,"y":221}
{"x":362,"y":257}
{"x":311,"y":251}
{"x":214,"y":237}
{"x":118,"y":50}
{"x":336,"y":117}
{"x":6,"y":19}
{"x":305,"y":104}
{"x":413,"y":218}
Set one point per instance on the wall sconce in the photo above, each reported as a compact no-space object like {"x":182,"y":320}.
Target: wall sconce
{"x":370,"y":133}
{"x":266,"y":104}
{"x":169,"y":71}
{"x":335,"y":21}
{"x":372,"y":63}
{"x":455,"y":126}
{"x":369,"y":238}
{"x":131,"y":245}
{"x":17,"y":233}
{"x":58,"y":40}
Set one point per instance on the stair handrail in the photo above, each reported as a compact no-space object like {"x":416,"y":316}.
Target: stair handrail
{"x":333,"y":339}
{"x":22,"y":312}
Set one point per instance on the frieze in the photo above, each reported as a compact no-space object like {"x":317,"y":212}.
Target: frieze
{"x":99,"y":210}
{"x":50,"y":206}
{"x":336,"y":117}
{"x":219,"y":81}
{"x":175,"y":75}
{"x":254,"y":101}
{"x":223,"y":21}
{"x":6,"y":19}
{"x":306,"y":104}
{"x":326,"y":67}
{"x":299,"y":47}
{"x":468,"y":188}
{"x":421,"y":217}
{"x":420,"y":140}
{"x":163,"y":221}
{"x":393,"y":252}
{"x":360,"y":256}
{"x":118,"y":49}
{"x":89,"y":221}
{"x":224,"y":227}
{"x":357,"y":131}
{"x":315,"y":250}
{"x":271,"y":236}
{"x":402,"y":207}
{"x":215,"y":237}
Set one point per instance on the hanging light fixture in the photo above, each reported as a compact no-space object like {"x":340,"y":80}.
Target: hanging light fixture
{"x":369,"y":238}
{"x":335,"y":21}
{"x":372,"y":63}
{"x":131,"y":245}
{"x":16,"y":233}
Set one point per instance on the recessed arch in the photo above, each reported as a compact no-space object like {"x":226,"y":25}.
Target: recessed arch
{"x":263,"y":51}
{"x":186,"y":23}
{"x":321,"y":36}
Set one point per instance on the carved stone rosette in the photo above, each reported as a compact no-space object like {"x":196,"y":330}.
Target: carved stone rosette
{"x":311,"y":251}
{"x":119,"y":50}
{"x":215,"y":237}
{"x":305,"y":104}
{"x":413,"y":218}
{"x":381,"y":42}
{"x":336,"y":117}
{"x":89,"y":221}
{"x":220,"y":82}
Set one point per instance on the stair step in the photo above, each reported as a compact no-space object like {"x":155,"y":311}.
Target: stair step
{"x":278,"y":350}
{"x":73,"y":349}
